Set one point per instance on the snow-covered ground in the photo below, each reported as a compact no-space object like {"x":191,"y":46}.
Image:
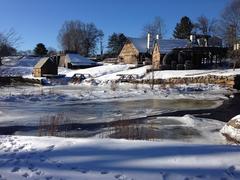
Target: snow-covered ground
{"x":18,"y":66}
{"x":191,"y":73}
{"x":106,"y":72}
{"x":203,"y":155}
{"x":59,"y":158}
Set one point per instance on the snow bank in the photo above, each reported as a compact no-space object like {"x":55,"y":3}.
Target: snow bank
{"x":59,"y":158}
{"x":95,"y":71}
{"x":232,"y":128}
{"x":15,"y":71}
{"x":140,"y":72}
{"x":191,"y":73}
{"x":203,"y":130}
{"x":18,"y":67}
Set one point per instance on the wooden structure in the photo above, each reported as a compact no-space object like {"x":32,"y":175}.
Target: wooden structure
{"x":128,"y":77}
{"x":45,"y":66}
{"x":135,"y":51}
{"x":74,"y":61}
{"x":184,"y":54}
{"x":140,"y":51}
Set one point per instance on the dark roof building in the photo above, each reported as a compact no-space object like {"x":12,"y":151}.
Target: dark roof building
{"x":75,"y":61}
{"x":45,"y":66}
{"x":137,"y":50}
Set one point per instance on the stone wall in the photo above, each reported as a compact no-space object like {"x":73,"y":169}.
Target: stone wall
{"x":156,"y":57}
{"x":227,"y":81}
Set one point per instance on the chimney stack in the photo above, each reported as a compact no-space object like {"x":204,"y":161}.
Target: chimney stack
{"x":148,"y":41}
{"x":192,"y":38}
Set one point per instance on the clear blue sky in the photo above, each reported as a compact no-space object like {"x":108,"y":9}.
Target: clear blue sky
{"x":40,"y":20}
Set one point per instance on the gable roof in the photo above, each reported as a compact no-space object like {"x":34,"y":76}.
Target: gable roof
{"x":139,"y":43}
{"x":166,"y":45}
{"x":41,"y":62}
{"x":76,"y":59}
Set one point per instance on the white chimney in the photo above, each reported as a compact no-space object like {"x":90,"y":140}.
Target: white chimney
{"x":148,"y":41}
{"x":192,"y":38}
{"x":157,"y":37}
{"x":206,"y":42}
{"x":199,"y":42}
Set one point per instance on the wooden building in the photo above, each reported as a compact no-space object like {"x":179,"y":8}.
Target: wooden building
{"x":75,"y":61}
{"x":199,"y":51}
{"x":135,"y":51}
{"x":142,"y":51}
{"x":45,"y":66}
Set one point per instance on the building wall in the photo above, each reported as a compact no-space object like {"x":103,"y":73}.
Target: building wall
{"x":37,"y":72}
{"x":47,"y":68}
{"x":129,"y":54}
{"x":156,"y":57}
{"x":62,"y":61}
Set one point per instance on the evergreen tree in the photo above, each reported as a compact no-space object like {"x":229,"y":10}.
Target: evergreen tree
{"x":183,"y":29}
{"x":40,"y":50}
{"x":116,"y":43}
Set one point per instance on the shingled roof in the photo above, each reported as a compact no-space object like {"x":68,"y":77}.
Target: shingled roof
{"x":166,"y":45}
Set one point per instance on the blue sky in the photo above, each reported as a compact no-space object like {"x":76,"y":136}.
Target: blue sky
{"x":39,"y":21}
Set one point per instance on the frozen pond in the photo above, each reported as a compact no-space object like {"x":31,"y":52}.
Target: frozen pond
{"x":29,"y":112}
{"x":32,"y":111}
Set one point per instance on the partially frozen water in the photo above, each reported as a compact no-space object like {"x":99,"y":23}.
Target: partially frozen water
{"x":26,"y":113}
{"x":28,"y":110}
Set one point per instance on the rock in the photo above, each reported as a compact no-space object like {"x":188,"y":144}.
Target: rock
{"x":232,"y":129}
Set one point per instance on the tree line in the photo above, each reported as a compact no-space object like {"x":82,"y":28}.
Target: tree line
{"x":86,"y":38}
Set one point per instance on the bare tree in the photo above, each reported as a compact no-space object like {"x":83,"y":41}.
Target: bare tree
{"x":206,"y":26}
{"x":229,"y":27}
{"x":9,"y":41}
{"x":80,"y":37}
{"x":156,"y":27}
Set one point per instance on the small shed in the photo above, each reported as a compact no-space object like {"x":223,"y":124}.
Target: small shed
{"x":76,"y":61}
{"x":45,"y":66}
{"x":135,"y":51}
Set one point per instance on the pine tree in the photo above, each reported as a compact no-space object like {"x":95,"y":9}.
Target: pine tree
{"x":40,"y":50}
{"x":116,"y":43}
{"x":183,"y":29}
